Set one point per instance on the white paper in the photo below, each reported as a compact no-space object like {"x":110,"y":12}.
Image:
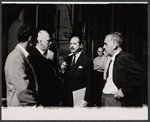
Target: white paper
{"x":78,"y":96}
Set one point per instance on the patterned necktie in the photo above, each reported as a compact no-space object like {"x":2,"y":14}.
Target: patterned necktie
{"x":107,"y":72}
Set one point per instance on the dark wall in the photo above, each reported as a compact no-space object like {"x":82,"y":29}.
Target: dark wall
{"x":98,"y":20}
{"x":91,"y":21}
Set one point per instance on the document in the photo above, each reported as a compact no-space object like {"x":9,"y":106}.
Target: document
{"x":78,"y":96}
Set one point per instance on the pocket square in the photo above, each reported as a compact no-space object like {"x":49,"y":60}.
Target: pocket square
{"x":80,"y":67}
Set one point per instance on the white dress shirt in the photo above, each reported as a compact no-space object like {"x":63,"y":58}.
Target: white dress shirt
{"x":110,"y":87}
{"x":77,"y":56}
{"x":41,"y":51}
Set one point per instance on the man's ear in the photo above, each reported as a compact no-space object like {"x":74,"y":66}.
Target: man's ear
{"x":115,"y":46}
{"x":81,"y":46}
{"x":39,"y":39}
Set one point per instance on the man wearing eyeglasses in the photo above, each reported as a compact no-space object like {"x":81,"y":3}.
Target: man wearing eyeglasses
{"x":41,"y":59}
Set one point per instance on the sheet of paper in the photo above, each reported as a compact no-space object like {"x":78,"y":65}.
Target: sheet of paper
{"x":78,"y":96}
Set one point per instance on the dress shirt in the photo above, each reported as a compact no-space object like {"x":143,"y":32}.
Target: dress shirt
{"x":110,"y":87}
{"x":24,"y":51}
{"x":101,"y":62}
{"x":77,"y":56}
{"x":106,"y":67}
{"x":41,"y":51}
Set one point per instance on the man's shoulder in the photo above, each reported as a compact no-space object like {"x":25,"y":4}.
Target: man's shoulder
{"x":85,"y":57}
{"x":104,"y":57}
{"x":95,"y":58}
{"x":15,"y":56}
{"x":34,"y":51}
{"x":15,"y":52}
{"x":124,"y":55}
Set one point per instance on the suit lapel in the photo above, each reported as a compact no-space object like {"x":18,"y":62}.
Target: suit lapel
{"x":28,"y":63}
{"x":76,"y":64}
{"x":115,"y":67}
{"x":38,"y":53}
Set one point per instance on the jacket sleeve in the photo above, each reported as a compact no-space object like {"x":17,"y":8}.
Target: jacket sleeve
{"x":89,"y":75}
{"x":18,"y":74}
{"x":136,"y":72}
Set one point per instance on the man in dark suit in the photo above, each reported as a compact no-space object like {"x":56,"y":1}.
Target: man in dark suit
{"x":125,"y":76}
{"x":78,"y":73}
{"x":22,"y":89}
{"x":41,"y":59}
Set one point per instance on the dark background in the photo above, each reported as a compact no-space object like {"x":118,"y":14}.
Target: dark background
{"x":91,"y":21}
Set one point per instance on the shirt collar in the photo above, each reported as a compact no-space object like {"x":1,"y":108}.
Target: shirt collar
{"x":78,"y":54}
{"x":24,"y":51}
{"x":41,"y":51}
{"x":118,"y":51}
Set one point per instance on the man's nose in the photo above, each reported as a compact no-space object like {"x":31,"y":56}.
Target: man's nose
{"x":50,"y":43}
{"x":104,"y":47}
{"x":71,"y":45}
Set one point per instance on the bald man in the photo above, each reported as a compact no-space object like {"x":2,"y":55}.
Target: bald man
{"x":99,"y":66}
{"x":43,"y":67}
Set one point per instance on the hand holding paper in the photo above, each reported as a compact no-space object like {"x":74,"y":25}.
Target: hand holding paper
{"x":83,"y":104}
{"x":78,"y":98}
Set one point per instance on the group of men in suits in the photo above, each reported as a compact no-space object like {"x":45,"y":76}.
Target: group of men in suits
{"x":41,"y":58}
{"x":31,"y":78}
{"x":29,"y":70}
{"x":124,"y":79}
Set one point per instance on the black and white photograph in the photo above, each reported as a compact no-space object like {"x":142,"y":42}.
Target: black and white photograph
{"x":74,"y":60}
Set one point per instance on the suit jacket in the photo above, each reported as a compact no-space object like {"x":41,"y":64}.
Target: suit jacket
{"x":130,"y":76}
{"x":78,"y":77}
{"x":20,"y":80}
{"x":45,"y":77}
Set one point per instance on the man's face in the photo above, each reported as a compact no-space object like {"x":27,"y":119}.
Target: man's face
{"x":109,"y":45}
{"x":45,"y":41}
{"x":100,"y":51}
{"x":75,"y":47}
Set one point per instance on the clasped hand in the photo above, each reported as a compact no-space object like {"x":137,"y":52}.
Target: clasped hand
{"x":83,"y":104}
{"x":63,"y":66}
{"x":119,"y":94}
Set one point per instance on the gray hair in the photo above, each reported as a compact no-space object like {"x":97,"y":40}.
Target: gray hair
{"x":116,"y":37}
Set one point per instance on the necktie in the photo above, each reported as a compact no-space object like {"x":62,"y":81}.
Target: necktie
{"x":74,"y":58}
{"x":107,"y":72}
{"x":45,"y":54}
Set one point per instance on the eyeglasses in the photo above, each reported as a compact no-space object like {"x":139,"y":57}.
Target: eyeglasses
{"x":49,"y":40}
{"x":99,"y":51}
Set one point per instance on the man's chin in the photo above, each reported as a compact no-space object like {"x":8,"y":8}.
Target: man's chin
{"x":72,"y":51}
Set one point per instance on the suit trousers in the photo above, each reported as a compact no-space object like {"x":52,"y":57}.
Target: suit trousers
{"x":108,"y":100}
{"x":97,"y":86}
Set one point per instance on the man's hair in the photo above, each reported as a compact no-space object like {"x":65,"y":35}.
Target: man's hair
{"x":36,"y":33}
{"x":116,"y":37}
{"x":80,"y":40}
{"x":24,"y":32}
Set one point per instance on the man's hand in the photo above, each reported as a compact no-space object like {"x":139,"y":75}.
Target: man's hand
{"x":63,"y":66}
{"x":83,"y":104}
{"x":119,"y":94}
